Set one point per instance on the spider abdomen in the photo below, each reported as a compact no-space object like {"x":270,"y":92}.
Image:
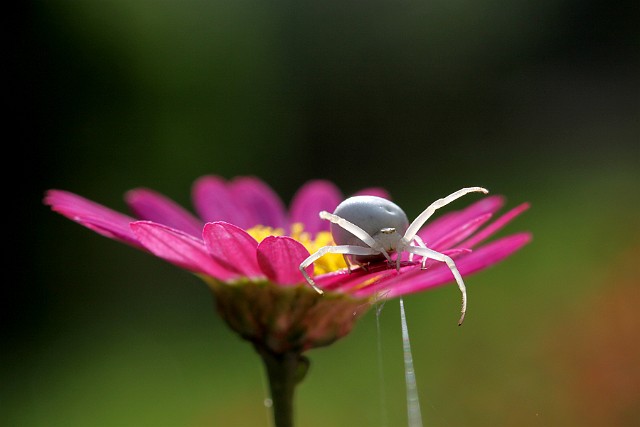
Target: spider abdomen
{"x":382,"y":219}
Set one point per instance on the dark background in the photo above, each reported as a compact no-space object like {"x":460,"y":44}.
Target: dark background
{"x":535,"y":100}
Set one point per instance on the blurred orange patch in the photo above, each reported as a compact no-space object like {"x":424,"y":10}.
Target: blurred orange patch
{"x":597,"y":350}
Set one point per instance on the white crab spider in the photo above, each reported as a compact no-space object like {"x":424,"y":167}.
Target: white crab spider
{"x":369,"y":228}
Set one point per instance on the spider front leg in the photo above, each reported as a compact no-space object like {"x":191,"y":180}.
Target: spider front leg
{"x":343,"y":249}
{"x":417,"y":240}
{"x":403,"y":246}
{"x":430,"y":253}
{"x":426,"y":214}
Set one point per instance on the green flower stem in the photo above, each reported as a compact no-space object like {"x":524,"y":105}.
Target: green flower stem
{"x":281,"y":322}
{"x":284,"y":371}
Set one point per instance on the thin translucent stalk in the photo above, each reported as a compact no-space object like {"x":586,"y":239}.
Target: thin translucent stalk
{"x":413,"y":403}
{"x":384,"y":418}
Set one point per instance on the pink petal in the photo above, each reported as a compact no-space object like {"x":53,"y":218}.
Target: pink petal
{"x":94,"y":216}
{"x":492,"y":228}
{"x":309,"y":200}
{"x":179,"y":248}
{"x":280,"y":258}
{"x":420,"y":280}
{"x":152,"y":206}
{"x":261,"y":204}
{"x":453,"y":253}
{"x":374,"y":191}
{"x":232,"y":247}
{"x":108,"y":230}
{"x":459,"y":233}
{"x":442,"y":225}
{"x":359,"y":279}
{"x":214,"y":201}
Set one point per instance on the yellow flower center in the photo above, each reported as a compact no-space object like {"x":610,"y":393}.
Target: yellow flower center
{"x":326,"y":264}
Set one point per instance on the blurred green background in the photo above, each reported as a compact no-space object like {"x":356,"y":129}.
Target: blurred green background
{"x":535,"y":100}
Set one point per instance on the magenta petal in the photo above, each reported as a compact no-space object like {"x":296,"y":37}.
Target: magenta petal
{"x":108,"y":230}
{"x":420,"y":280}
{"x":179,"y":248}
{"x":261,"y":204}
{"x":453,"y":253}
{"x":152,"y":206}
{"x":232,"y":247}
{"x":459,"y":233}
{"x":442,"y":225}
{"x":214,"y":201}
{"x":280,"y":258}
{"x":495,"y":226}
{"x":311,"y":198}
{"x":94,"y":216}
{"x":374,"y":191}
{"x":360,"y":280}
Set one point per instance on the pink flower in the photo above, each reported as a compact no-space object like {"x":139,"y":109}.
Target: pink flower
{"x":248,"y":247}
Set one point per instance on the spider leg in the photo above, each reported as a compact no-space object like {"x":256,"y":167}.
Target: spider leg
{"x":347,"y":261}
{"x":419,"y":242}
{"x":426,"y":214}
{"x":430,"y":253}
{"x":351,"y":263}
{"x":402,"y":247}
{"x":343,"y":249}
